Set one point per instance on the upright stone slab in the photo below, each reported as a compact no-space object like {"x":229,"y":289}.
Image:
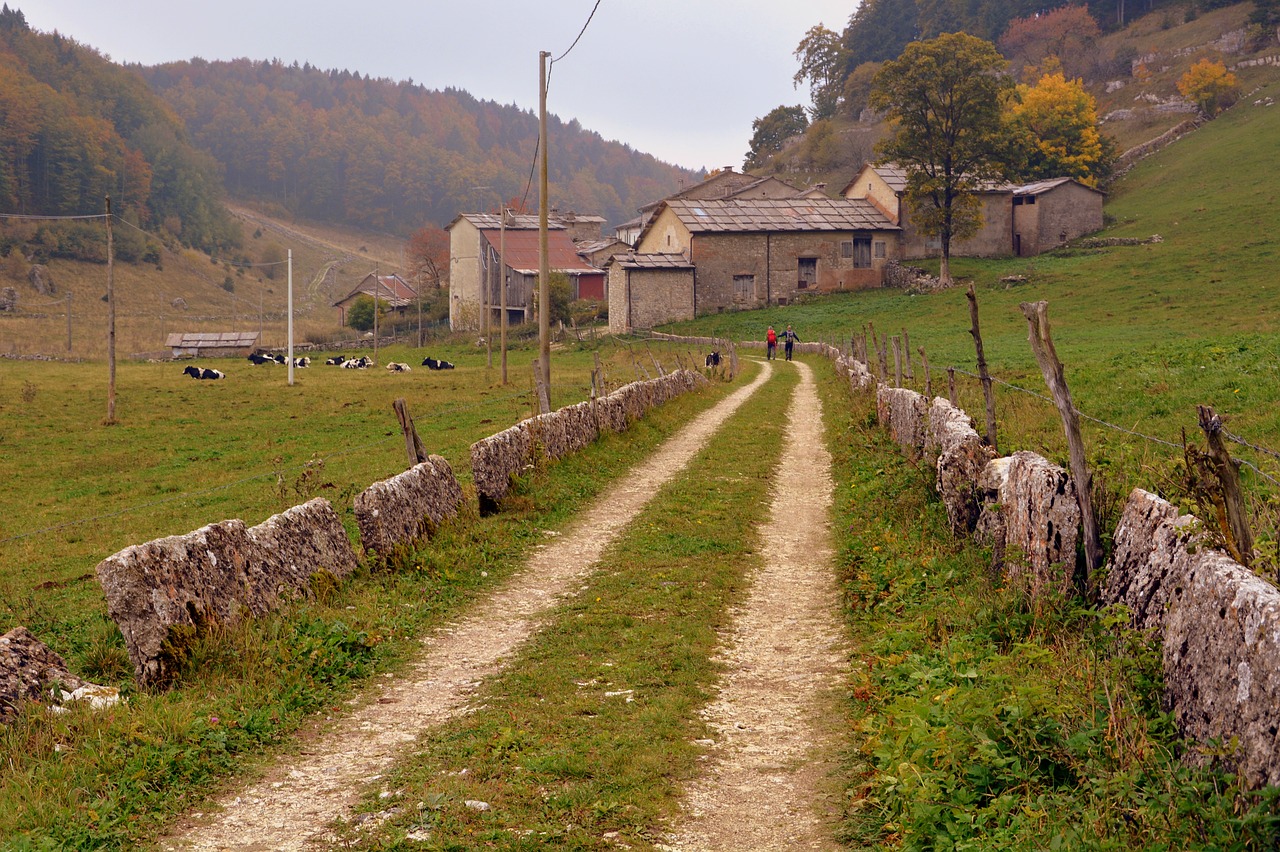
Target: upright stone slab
{"x":903,"y":413}
{"x":961,"y":458}
{"x":28,"y":669}
{"x":1218,"y":626}
{"x":496,"y":460}
{"x":399,"y":510}
{"x":1030,"y":514}
{"x":215,"y":576}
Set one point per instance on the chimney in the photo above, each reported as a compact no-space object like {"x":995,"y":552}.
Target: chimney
{"x":728,"y":168}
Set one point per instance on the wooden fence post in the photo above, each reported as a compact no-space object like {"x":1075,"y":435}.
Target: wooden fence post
{"x":928,"y":380}
{"x":906,"y":356}
{"x":987,"y":392}
{"x":951,"y":386}
{"x":897,"y":362}
{"x":412,"y":443}
{"x":1037,"y":314}
{"x":1228,"y":472}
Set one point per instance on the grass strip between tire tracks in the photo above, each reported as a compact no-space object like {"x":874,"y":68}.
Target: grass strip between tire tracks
{"x":585,"y":740}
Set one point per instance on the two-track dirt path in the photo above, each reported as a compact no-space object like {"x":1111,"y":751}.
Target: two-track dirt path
{"x":291,"y":806}
{"x":767,"y":783}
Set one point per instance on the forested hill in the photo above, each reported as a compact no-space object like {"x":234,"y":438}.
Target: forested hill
{"x":337,"y":146}
{"x":74,"y":127}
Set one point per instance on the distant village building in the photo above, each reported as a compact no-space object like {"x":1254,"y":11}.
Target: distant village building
{"x":747,"y":253}
{"x":396,"y":294}
{"x":1017,"y":220}
{"x":476,"y":272}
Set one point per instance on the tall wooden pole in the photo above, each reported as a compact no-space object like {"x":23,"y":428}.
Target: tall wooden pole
{"x":486,"y":300}
{"x":544,"y":273}
{"x":377,"y":286}
{"x":111,"y":321}
{"x":68,"y":320}
{"x":502,"y":287}
{"x":289,"y":325}
{"x":987,"y":391}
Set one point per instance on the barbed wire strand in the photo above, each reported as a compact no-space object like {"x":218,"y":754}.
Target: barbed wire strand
{"x":1135,"y":434}
{"x":34,"y":218}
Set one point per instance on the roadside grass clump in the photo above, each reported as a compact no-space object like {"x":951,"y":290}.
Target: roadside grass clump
{"x":981,"y":719}
{"x":586,"y":738}
{"x":114,"y":779}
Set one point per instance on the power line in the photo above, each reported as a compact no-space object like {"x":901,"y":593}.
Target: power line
{"x":53,"y":218}
{"x":575,"y":41}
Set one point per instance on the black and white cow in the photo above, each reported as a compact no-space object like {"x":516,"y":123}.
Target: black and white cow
{"x":266,"y":358}
{"x":202,"y":373}
{"x":397,"y":367}
{"x":336,"y":360}
{"x":361,"y":363}
{"x":436,"y":364}
{"x":713,"y":359}
{"x":302,"y":362}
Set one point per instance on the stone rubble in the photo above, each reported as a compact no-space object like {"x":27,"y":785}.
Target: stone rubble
{"x":30,"y":671}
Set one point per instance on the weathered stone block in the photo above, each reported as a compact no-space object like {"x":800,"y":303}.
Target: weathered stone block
{"x":1148,"y":541}
{"x":216,"y":575}
{"x":961,"y":458}
{"x":496,"y":460}
{"x":399,"y":510}
{"x":28,"y":668}
{"x":903,"y":412}
{"x":1031,"y":516}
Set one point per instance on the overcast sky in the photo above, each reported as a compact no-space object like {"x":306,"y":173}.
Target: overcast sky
{"x":679,"y":79}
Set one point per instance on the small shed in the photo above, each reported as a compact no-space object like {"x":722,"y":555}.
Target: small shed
{"x":212,"y":344}
{"x":646,"y":290}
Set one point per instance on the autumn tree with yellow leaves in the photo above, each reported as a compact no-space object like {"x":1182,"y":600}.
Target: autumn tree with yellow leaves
{"x":1056,"y":125}
{"x":1210,"y":85}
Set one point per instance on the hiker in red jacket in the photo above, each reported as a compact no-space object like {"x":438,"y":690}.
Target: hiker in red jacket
{"x":771,"y":338}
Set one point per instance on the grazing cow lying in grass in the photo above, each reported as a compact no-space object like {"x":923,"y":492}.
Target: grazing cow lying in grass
{"x":436,"y":364}
{"x":266,"y":358}
{"x":302,"y":362}
{"x":713,"y":359}
{"x":336,"y":360}
{"x":397,"y":367}
{"x":361,"y":363}
{"x":202,"y":373}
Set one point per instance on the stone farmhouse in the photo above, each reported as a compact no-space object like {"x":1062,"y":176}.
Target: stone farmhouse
{"x":1017,"y":220}
{"x":391,"y":290}
{"x":723,"y":185}
{"x":481,"y":256}
{"x":700,"y":256}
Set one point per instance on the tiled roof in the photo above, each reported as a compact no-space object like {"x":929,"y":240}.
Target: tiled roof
{"x":631,"y":260}
{"x":780,"y":214}
{"x":521,"y":252}
{"x":1041,"y":186}
{"x":515,"y":221}
{"x":212,"y":339}
{"x":392,"y":289}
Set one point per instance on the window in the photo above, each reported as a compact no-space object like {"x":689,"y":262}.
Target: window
{"x":846,"y":249}
{"x":879,"y":248}
{"x":744,"y":288}
{"x":862,"y":253}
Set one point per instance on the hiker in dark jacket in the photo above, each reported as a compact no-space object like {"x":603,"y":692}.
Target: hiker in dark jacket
{"x":789,"y":338}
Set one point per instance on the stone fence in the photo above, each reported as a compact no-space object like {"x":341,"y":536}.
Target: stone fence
{"x":498,"y":459}
{"x":1217,"y":623}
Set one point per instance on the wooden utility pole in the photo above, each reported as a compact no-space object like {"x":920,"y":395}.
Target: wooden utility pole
{"x":111,"y":321}
{"x":1228,"y":473}
{"x":1037,"y":314}
{"x":289,"y":309}
{"x":68,"y":320}
{"x":502,"y":286}
{"x":377,"y":286}
{"x":544,"y":274}
{"x":987,"y":392}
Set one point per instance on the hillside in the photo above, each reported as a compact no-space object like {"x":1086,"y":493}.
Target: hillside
{"x":374,"y":153}
{"x":1131,"y":71}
